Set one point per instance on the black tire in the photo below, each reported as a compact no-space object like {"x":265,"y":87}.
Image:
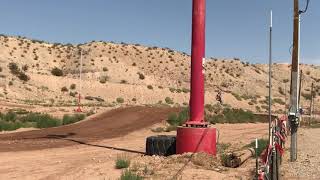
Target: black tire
{"x":161,"y":145}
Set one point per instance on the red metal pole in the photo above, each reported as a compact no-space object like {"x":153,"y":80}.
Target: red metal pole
{"x":197,"y":57}
{"x":196,"y":136}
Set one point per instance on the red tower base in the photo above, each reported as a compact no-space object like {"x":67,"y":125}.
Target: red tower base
{"x":190,"y":139}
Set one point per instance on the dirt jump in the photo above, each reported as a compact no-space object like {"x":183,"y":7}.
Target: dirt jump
{"x":111,"y":124}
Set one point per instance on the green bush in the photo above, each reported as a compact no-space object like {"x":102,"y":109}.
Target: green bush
{"x":262,"y":144}
{"x":41,"y":120}
{"x":56,"y":72}
{"x":120,"y":100}
{"x":128,"y":175}
{"x":233,"y":116}
{"x":10,"y":116}
{"x":122,"y":162}
{"x":70,"y":119}
{"x":179,"y":119}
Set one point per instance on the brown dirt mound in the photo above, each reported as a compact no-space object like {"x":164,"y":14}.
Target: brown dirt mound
{"x":111,"y":124}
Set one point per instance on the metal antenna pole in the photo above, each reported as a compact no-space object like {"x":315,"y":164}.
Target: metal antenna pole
{"x":270,"y":78}
{"x":80,"y":83}
{"x":294,"y":94}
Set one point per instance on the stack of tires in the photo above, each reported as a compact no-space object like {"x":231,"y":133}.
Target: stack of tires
{"x":161,"y":145}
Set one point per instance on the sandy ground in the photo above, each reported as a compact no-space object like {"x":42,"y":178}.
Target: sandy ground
{"x":96,"y":160}
{"x":307,"y":165}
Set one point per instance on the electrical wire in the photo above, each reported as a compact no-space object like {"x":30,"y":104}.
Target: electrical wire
{"x":306,"y":8}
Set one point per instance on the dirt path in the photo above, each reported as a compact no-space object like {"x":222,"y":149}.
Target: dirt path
{"x":307,"y":165}
{"x":96,"y":160}
{"x":111,"y":124}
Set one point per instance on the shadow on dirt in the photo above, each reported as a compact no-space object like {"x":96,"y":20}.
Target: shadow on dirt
{"x":66,"y":138}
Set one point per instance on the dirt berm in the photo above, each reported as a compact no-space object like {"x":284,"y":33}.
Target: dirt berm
{"x":111,"y":124}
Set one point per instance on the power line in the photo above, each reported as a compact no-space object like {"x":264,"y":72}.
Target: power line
{"x":306,"y":8}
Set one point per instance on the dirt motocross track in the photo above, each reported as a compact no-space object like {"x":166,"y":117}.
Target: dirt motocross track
{"x":111,"y":124}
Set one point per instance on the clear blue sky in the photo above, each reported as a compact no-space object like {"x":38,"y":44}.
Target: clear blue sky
{"x":235,"y":28}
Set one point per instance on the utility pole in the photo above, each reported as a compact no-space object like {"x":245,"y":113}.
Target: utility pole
{"x":294,"y":94}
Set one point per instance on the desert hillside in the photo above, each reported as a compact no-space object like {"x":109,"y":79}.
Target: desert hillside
{"x":36,"y":72}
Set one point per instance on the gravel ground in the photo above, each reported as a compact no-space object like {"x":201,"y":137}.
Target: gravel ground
{"x":308,"y":164}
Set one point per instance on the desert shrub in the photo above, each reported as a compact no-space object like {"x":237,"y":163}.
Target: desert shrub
{"x":149,"y":87}
{"x":285,"y":80}
{"x":9,"y":116}
{"x":0,"y":69}
{"x":72,"y":86}
{"x":141,"y":76}
{"x":281,"y":91}
{"x":122,"y":162}
{"x":73,"y":94}
{"x":25,"y":67}
{"x":128,"y":175}
{"x":10,"y":126}
{"x":262,"y":144}
{"x":104,"y":79}
{"x":123,"y":81}
{"x":279,"y":101}
{"x":169,"y":100}
{"x":10,"y":83}
{"x":41,"y":120}
{"x":179,"y":119}
{"x":134,"y":99}
{"x":105,"y":69}
{"x":14,"y":69}
{"x":64,"y":89}
{"x":120,"y":100}
{"x":185,"y":90}
{"x":70,"y":119}
{"x":23,"y":77}
{"x":56,"y":72}
{"x":171,"y":89}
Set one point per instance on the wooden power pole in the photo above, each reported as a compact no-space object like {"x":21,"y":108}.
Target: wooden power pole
{"x":294,"y":94}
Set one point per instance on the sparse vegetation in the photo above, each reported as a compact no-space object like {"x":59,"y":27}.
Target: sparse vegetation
{"x":13,"y":120}
{"x":128,"y":175}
